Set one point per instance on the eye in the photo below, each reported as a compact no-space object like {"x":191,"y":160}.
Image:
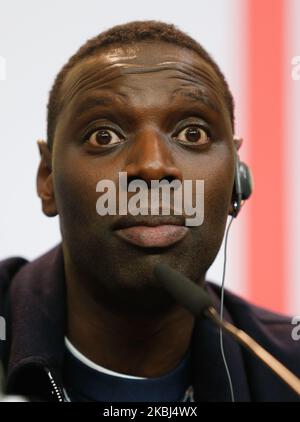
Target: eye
{"x":193,"y":135}
{"x":104,"y":137}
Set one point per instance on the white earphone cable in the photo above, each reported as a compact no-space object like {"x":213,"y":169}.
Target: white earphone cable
{"x":221,"y":313}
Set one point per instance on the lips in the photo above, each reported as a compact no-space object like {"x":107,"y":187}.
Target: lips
{"x":151,"y":232}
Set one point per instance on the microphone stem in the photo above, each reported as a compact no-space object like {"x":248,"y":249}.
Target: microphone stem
{"x":277,"y":367}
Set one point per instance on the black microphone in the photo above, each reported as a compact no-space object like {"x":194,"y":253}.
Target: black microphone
{"x":198,"y":302}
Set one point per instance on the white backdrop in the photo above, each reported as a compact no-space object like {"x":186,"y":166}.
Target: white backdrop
{"x":36,"y":39}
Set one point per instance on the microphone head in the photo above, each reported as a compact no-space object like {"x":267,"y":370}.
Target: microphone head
{"x":184,"y":291}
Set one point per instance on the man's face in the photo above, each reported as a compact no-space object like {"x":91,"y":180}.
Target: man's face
{"x":153,"y":110}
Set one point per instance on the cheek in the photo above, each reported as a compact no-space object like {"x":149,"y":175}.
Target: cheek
{"x":75,"y":182}
{"x":218,"y":177}
{"x":74,"y":191}
{"x":218,"y":192}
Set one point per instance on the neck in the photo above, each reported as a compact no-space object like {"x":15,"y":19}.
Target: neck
{"x":140,"y":346}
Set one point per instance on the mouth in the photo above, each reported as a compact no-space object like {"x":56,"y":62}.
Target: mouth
{"x":151,"y":232}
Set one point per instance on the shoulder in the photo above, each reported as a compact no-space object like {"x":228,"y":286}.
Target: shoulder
{"x":272,"y":330}
{"x":243,"y":310}
{"x":23,"y":275}
{"x":8,"y":269}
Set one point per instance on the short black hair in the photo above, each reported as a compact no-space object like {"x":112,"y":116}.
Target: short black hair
{"x":129,"y":33}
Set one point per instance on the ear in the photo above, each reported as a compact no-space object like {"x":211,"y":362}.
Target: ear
{"x":237,"y":142}
{"x":45,"y":181}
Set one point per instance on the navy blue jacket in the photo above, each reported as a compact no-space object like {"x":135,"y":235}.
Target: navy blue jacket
{"x":32,"y":300}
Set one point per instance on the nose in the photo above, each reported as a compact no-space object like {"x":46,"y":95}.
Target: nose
{"x":150,"y":158}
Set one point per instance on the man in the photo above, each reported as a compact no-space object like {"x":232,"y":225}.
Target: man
{"x":89,"y":321}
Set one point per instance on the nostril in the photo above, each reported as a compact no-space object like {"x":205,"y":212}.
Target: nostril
{"x":169,"y":179}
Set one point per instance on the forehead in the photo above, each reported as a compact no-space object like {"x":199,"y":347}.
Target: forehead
{"x":144,"y":68}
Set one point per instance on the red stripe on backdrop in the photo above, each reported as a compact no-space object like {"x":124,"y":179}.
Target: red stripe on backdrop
{"x":265,"y":20}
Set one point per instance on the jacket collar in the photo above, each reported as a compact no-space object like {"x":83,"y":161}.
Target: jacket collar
{"x":38,"y":323}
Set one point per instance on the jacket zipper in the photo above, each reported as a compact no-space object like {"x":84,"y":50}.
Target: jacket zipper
{"x":55,"y":388}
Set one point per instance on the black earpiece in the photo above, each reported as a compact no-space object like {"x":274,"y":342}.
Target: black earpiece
{"x":243,"y":185}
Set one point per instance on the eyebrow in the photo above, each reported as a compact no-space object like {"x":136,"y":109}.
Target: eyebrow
{"x":197,"y":95}
{"x":107,"y":99}
{"x":103,"y":100}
